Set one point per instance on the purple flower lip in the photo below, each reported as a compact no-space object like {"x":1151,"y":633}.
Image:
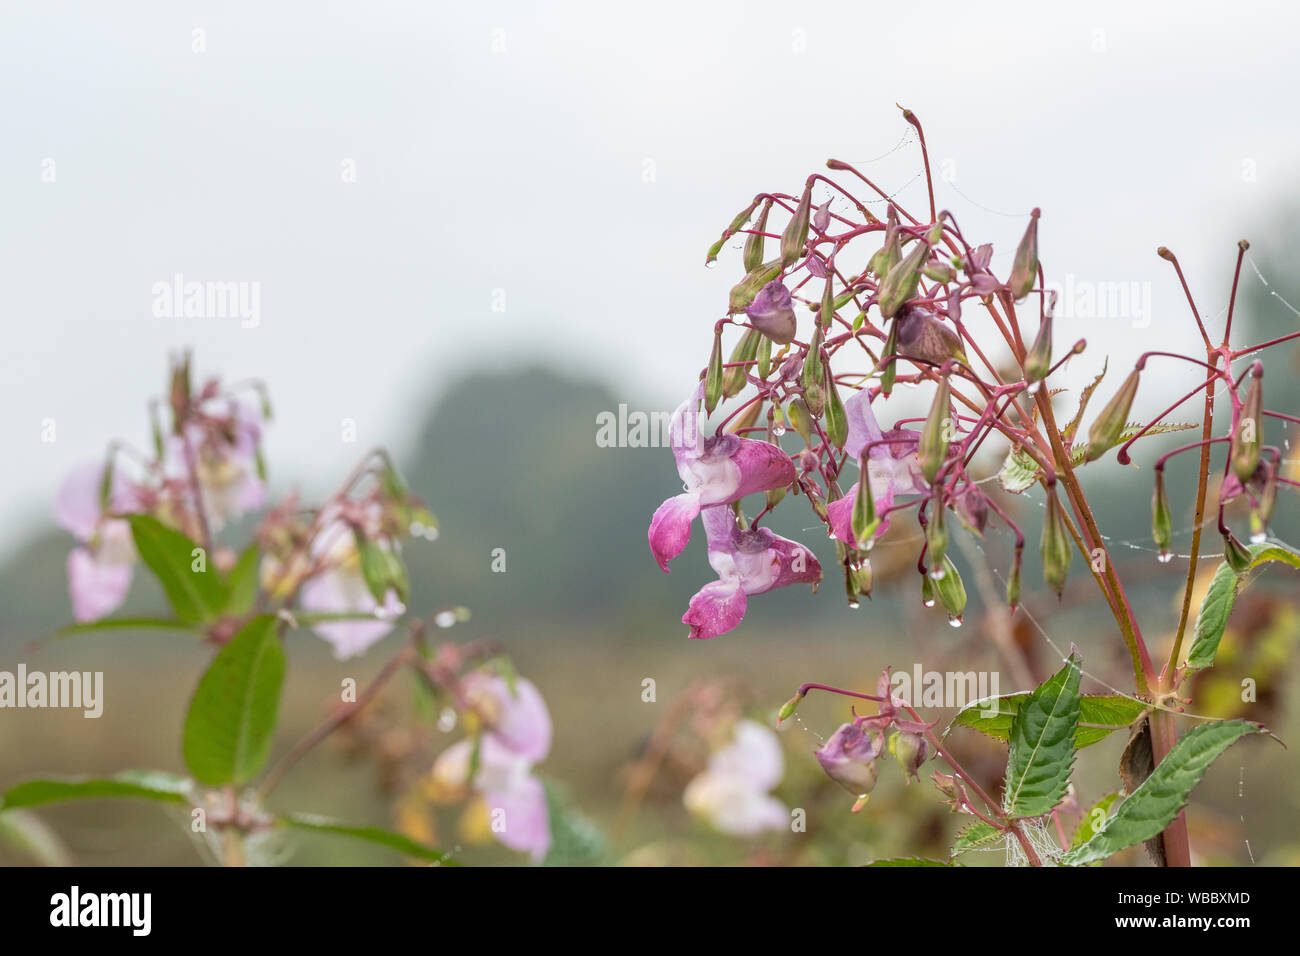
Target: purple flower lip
{"x":772,"y":313}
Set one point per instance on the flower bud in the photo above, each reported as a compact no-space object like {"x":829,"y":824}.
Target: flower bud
{"x":910,"y":750}
{"x":951,"y":591}
{"x":939,"y":270}
{"x":754,"y":242}
{"x":932,"y":448}
{"x":821,"y":219}
{"x":788,"y":708}
{"x":1246,"y":438}
{"x":772,"y":313}
{"x":1161,"y":518}
{"x":737,"y":224}
{"x":813,"y":376}
{"x":899,"y":284}
{"x":734,"y":379}
{"x":827,"y":314}
{"x":800,"y":418}
{"x":713,"y":377}
{"x":1236,"y":554}
{"x":796,"y":233}
{"x":950,"y":785}
{"x":864,"y":519}
{"x":1263,"y":510}
{"x":1108,"y":429}
{"x":1055,"y":546}
{"x":745,"y":291}
{"x":922,"y":336}
{"x":1024,"y":268}
{"x":1039,"y":358}
{"x":849,"y":758}
{"x":764,"y":357}
{"x":972,"y":508}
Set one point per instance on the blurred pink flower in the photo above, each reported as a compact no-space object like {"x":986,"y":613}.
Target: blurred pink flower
{"x":732,"y":793}
{"x":101,"y":566}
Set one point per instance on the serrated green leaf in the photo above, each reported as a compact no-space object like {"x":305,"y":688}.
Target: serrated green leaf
{"x":1151,"y":807}
{"x":978,"y":834}
{"x":1099,"y":716}
{"x":233,"y":713}
{"x":1216,"y":606}
{"x":1094,"y":819}
{"x":1042,"y":751}
{"x":146,"y":784}
{"x":196,"y":596}
{"x":1068,"y":431}
{"x":1020,"y":472}
{"x":378,"y":835}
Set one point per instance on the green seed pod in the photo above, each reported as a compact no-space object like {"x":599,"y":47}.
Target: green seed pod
{"x":936,"y":542}
{"x":932,"y":448}
{"x":764,"y":357}
{"x":737,"y":224}
{"x":812,"y":377}
{"x":950,"y":589}
{"x":888,"y":254}
{"x":1055,"y":548}
{"x":1108,"y":429}
{"x":864,"y":519}
{"x":1161,"y":518}
{"x":899,"y":284}
{"x":734,"y":379}
{"x":788,"y":708}
{"x":1236,"y":554}
{"x":864,"y":578}
{"x":1246,"y":438}
{"x":1039,"y":358}
{"x":743,"y":292}
{"x":754,"y":241}
{"x":890,"y":369}
{"x":713,"y":377}
{"x":800,"y":418}
{"x":837,"y":422}
{"x":1024,"y":268}
{"x":828,"y":302}
{"x":1013,"y":581}
{"x":796,"y":233}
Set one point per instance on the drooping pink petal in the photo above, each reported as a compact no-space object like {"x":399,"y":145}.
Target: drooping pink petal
{"x":76,"y":505}
{"x":762,"y":466}
{"x":670,"y":527}
{"x":520,"y":721}
{"x":96,"y":587}
{"x":754,"y":752}
{"x":715,"y":609}
{"x":840,"y":511}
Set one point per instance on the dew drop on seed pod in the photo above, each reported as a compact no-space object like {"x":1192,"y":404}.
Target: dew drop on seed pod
{"x":928,"y":602}
{"x":954,"y":620}
{"x":936,"y":574}
{"x":445,"y":618}
{"x":778,"y":430}
{"x":854,"y":605}
{"x":1259,"y":537}
{"x":1164,"y":557}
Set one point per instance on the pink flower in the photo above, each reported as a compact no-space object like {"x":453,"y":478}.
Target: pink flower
{"x":101,"y":566}
{"x":225,"y":450}
{"x":519,"y":720}
{"x":717,"y":470}
{"x":849,"y":758}
{"x":892,"y":468}
{"x":341,"y":589}
{"x":732,"y":793}
{"x":748,"y":562}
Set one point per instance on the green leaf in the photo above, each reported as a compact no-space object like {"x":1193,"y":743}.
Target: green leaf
{"x":1042,"y":744}
{"x":242,"y":583}
{"x":147,"y":784}
{"x":1151,"y":807}
{"x":1216,"y":606}
{"x":378,"y":835}
{"x":978,"y":834}
{"x":575,"y":840}
{"x":1068,"y":431}
{"x":1094,"y":819}
{"x":1099,"y":716}
{"x":1019,"y":471}
{"x":233,"y":713}
{"x":195,"y":596}
{"x":909,"y":861}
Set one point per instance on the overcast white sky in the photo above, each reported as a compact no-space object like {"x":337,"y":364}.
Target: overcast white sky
{"x":524,"y":169}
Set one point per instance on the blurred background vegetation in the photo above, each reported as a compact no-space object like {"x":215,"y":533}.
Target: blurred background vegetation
{"x":508,"y":460}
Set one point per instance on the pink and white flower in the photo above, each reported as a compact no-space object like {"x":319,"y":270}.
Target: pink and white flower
{"x":732,"y":794}
{"x":100,"y":567}
{"x":892,"y":466}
